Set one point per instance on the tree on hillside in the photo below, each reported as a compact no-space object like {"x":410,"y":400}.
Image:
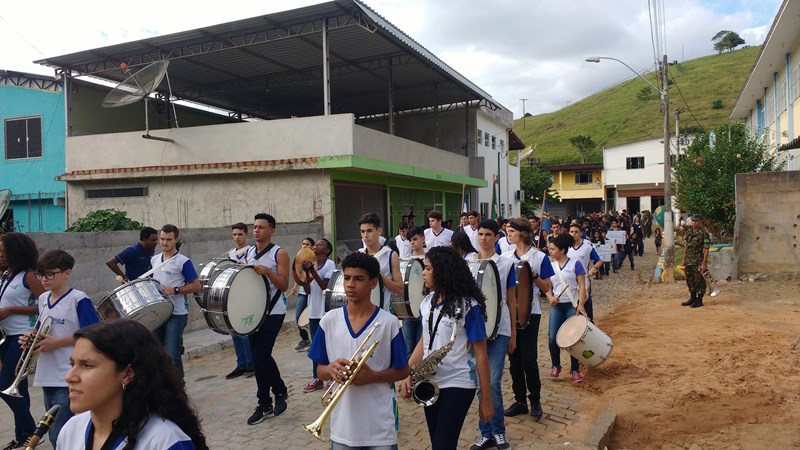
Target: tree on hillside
{"x":584,"y":145}
{"x":726,"y":40}
{"x":705,"y":178}
{"x":535,"y":181}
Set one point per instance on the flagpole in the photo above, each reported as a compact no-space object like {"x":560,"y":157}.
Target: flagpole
{"x":544,"y":199}
{"x":463,"y":186}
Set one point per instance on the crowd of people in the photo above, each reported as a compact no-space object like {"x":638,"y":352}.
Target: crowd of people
{"x":111,"y":378}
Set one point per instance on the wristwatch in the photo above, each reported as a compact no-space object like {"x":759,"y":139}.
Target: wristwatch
{"x":177,"y":290}
{"x":535,"y":276}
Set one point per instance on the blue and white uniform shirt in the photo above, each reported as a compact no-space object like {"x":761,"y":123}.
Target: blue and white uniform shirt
{"x":570,"y":272}
{"x":15,"y":292}
{"x":157,"y":434}
{"x":176,"y":272}
{"x":269,"y":260}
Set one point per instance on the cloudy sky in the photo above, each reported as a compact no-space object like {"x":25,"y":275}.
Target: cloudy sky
{"x":513,"y":49}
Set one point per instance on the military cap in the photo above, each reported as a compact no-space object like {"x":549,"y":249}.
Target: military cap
{"x":697,"y":217}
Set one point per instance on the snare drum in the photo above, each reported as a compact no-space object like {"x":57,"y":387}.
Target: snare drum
{"x":488,"y":279}
{"x":584,"y":341}
{"x":524,"y":293}
{"x":140,"y":300}
{"x":236,"y":301}
{"x":407,"y":305}
{"x":303,"y":320}
{"x":336,"y":298}
{"x":210,"y":270}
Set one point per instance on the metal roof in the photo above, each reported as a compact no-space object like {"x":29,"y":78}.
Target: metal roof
{"x":270,"y":66}
{"x":567,"y":167}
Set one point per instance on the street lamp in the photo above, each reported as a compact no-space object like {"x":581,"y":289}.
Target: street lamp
{"x":669,"y":240}
{"x":523,"y":100}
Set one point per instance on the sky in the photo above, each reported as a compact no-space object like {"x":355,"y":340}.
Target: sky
{"x":512,"y":49}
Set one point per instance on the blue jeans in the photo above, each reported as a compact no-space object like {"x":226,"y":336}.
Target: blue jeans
{"x":171,"y":337}
{"x":412,"y":331}
{"x":558,"y":315}
{"x":244,"y":356}
{"x":496,"y":350}
{"x":302,"y":302}
{"x":338,"y":446}
{"x":313,"y":326}
{"x":617,"y":259}
{"x":57,"y":396}
{"x":24,"y":424}
{"x":606,"y":267}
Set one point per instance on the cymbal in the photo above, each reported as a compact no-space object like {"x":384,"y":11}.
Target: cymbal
{"x":305,"y":254}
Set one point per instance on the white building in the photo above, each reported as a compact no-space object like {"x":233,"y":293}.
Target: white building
{"x":634,"y":175}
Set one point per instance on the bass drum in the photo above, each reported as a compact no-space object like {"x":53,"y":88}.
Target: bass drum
{"x":488,"y":278}
{"x":210,"y":270}
{"x":335,"y":296}
{"x":236,"y":301}
{"x":407,"y":306}
{"x":524,"y":291}
{"x":140,"y":300}
{"x":584,"y":341}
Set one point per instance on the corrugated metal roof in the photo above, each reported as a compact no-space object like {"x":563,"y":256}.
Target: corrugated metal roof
{"x":271,"y":66}
{"x":587,"y":166}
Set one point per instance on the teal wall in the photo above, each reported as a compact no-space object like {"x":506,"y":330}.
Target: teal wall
{"x":37,"y":198}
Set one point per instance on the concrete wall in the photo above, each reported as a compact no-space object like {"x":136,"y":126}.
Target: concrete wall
{"x":767,"y":222}
{"x":92,"y":250}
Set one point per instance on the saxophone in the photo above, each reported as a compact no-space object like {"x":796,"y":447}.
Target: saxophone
{"x":425,"y":391}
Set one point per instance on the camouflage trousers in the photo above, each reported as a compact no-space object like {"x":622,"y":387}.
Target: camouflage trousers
{"x":694,"y":279}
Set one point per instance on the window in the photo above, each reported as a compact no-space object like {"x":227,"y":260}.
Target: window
{"x":583,"y":177}
{"x":23,"y":138}
{"x":480,"y":137}
{"x":636,"y":162}
{"x":494,"y":143}
{"x":485,"y":139}
{"x":116,"y":192}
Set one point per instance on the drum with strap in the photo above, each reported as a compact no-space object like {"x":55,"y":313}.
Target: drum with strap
{"x":335,"y":296}
{"x":524,"y":291}
{"x":584,"y":341}
{"x":236,"y":301}
{"x":210,"y":270}
{"x":488,"y":278}
{"x":407,"y":305}
{"x":140,"y":300}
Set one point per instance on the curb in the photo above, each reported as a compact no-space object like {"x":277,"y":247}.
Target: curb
{"x":600,"y":433}
{"x":206,"y":341}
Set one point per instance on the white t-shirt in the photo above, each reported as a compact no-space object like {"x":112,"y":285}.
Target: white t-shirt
{"x":473,"y":235}
{"x":157,"y":434}
{"x":175,"y":272}
{"x":442,"y":239}
{"x":508,"y":279}
{"x":70,"y":312}
{"x":572,"y":268}
{"x":364,"y":415}
{"x":540,"y":264}
{"x":457,"y":369}
{"x":585,"y":253}
{"x":403,"y":246}
{"x":505,"y":245}
{"x":270,"y":260}
{"x":14,"y":291}
{"x":384,"y":257}
{"x":316,"y":299}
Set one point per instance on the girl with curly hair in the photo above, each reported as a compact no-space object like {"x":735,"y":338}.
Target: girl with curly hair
{"x":453,"y":300}
{"x":126,"y":393}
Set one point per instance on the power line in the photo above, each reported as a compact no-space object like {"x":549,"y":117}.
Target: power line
{"x":684,"y":101}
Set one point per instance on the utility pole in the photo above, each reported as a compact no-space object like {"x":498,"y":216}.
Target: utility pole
{"x":523,"y":100}
{"x":669,"y":236}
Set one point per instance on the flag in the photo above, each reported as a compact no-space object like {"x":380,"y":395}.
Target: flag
{"x":494,"y":200}
{"x":545,"y":214}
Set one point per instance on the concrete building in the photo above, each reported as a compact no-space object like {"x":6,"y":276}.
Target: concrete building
{"x":634,"y":176}
{"x":579,"y":187}
{"x":768,"y":100}
{"x":336,"y":112}
{"x":32,"y":111}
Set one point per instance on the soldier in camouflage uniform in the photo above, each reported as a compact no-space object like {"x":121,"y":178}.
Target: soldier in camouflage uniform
{"x":697,"y":243}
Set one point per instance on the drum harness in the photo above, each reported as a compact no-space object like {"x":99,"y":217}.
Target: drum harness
{"x":274,"y":300}
{"x":566,"y":286}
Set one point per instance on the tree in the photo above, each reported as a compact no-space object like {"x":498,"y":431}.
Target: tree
{"x":535,"y":181}
{"x":105,"y":220}
{"x":706,"y":177}
{"x":584,"y":144}
{"x":726,"y":40}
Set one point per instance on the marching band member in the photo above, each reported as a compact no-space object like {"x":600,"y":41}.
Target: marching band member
{"x":569,"y":286}
{"x":68,"y":310}
{"x":493,"y":431}
{"x":126,"y":394}
{"x":436,"y":235}
{"x":135,"y":258}
{"x":523,"y":361}
{"x":301,"y":303}
{"x":272,"y":263}
{"x":18,"y":284}
{"x":177,"y":276}
{"x":241,"y":344}
{"x":452,"y":286}
{"x":463,"y":245}
{"x":583,"y":251}
{"x":370,"y":229}
{"x":365,"y":415}
{"x":320,"y":271}
{"x":472,"y":227}
{"x":401,"y":240}
{"x":412,"y":328}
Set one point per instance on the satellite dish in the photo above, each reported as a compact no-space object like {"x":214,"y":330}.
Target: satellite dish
{"x":139,"y":85}
{"x":5,"y":200}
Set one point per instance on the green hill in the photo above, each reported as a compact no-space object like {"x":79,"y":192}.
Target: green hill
{"x":617,"y":116}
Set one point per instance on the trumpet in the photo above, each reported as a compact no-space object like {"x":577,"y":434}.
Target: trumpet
{"x":27,"y":361}
{"x":315,"y":428}
{"x":334,"y":387}
{"x":712,"y":291}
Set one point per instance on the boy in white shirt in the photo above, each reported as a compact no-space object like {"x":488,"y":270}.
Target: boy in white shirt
{"x":403,"y":246}
{"x":320,"y":273}
{"x":437,"y":235}
{"x":365,"y":415}
{"x":68,"y":310}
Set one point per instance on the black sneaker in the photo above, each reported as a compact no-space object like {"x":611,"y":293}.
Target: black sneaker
{"x":302,"y":345}
{"x":259,"y":414}
{"x":13,"y":444}
{"x":516,"y":409}
{"x":483,"y":443}
{"x":280,"y":405}
{"x":500,"y":440}
{"x":237,"y":372}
